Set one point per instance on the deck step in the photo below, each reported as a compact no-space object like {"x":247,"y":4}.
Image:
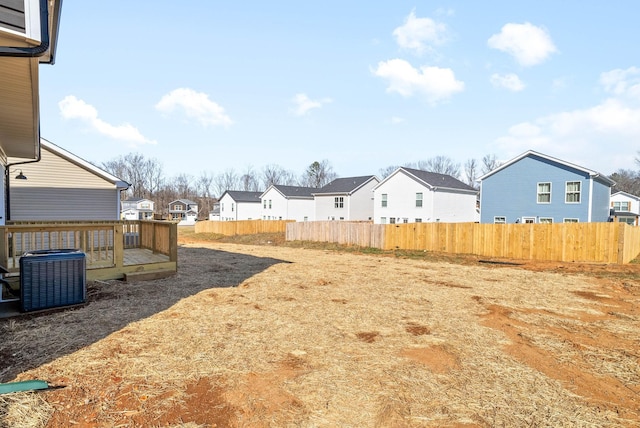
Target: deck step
{"x":148,"y":275}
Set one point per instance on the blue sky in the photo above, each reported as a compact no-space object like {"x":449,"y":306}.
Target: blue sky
{"x":207,"y":86}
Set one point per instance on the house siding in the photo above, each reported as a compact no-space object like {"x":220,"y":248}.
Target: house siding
{"x":454,"y":207}
{"x":58,"y":189}
{"x":12,"y":15}
{"x":55,"y":172}
{"x":512,"y":193}
{"x":601,"y":198}
{"x":401,"y":203}
{"x":63,"y":204}
{"x":361,"y":202}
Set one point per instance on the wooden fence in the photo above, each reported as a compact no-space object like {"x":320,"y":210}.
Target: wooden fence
{"x":579,"y":242}
{"x":241,"y":227}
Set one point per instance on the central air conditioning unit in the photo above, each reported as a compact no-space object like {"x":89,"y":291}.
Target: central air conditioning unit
{"x":52,"y":278}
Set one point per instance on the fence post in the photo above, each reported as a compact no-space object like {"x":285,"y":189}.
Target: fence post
{"x":621,"y":237}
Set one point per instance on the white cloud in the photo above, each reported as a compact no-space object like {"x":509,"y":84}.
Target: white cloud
{"x":528,"y":44}
{"x":303,"y":104}
{"x":594,"y":137}
{"x":435,"y":83}
{"x":196,"y":105}
{"x":508,"y":81}
{"x":420,"y":34}
{"x":395,"y":120}
{"x":74,"y":108}
{"x":622,"y":82}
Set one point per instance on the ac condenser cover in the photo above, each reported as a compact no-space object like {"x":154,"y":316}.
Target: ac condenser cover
{"x":52,"y":278}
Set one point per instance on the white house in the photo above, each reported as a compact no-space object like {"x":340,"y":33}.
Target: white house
{"x":240,"y":205}
{"x":349,"y":199}
{"x":62,"y":186}
{"x":214,"y":214}
{"x":137,"y":209}
{"x":414,"y":196}
{"x":288,"y":203}
{"x":625,"y":207}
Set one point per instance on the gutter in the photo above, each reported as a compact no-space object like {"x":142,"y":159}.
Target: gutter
{"x":35,"y":51}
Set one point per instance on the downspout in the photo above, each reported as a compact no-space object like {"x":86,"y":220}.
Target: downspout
{"x":35,"y":51}
{"x":7,"y":190}
{"x":590,"y":207}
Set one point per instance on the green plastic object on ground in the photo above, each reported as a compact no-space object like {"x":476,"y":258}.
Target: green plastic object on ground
{"x":26,"y":385}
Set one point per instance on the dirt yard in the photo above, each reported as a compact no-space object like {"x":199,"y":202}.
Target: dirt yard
{"x":278,"y":336}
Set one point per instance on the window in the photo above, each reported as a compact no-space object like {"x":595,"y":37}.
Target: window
{"x":222,"y":206}
{"x":570,"y":220}
{"x":545,"y":220}
{"x":544,"y":193}
{"x":499,"y":220}
{"x":269,"y":203}
{"x":384,"y":199}
{"x":622,"y":206}
{"x":572,"y":195}
{"x":233,"y":206}
{"x":392,"y":220}
{"x":418,"y":220}
{"x":405,"y":220}
{"x":264,"y":204}
{"x":418,"y":200}
{"x":338,"y":202}
{"x":383,"y":220}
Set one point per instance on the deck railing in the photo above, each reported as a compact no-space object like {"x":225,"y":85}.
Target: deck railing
{"x":103,"y":242}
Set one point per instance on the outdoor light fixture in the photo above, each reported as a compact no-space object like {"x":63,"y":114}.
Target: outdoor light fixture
{"x":21,"y":176}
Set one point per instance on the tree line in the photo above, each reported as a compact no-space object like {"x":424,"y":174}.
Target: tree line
{"x":147,"y":179}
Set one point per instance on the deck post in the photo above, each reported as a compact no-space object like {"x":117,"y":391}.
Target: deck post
{"x":118,"y":246}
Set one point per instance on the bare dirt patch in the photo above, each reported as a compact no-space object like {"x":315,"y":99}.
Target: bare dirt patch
{"x":274,"y":335}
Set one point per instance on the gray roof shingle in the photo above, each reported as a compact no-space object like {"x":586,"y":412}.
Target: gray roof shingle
{"x":344,"y":185}
{"x":439,"y":180}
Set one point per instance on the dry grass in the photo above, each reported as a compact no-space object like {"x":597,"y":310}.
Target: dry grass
{"x":273,"y":335}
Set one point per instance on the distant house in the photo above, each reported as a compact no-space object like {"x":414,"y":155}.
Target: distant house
{"x":288,"y":203}
{"x":625,"y":208}
{"x":137,"y":209}
{"x":62,"y":186}
{"x":184,"y":211}
{"x":413,"y":196}
{"x":214,"y":214}
{"x":536,"y":188}
{"x":240,"y":205}
{"x":349,"y":199}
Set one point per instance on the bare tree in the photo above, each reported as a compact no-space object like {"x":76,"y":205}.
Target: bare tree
{"x":183,"y":187}
{"x":275,"y":174}
{"x":627,"y":181}
{"x":228,"y":180}
{"x":440,"y":165}
{"x":143,"y":175}
{"x":249,"y":181}
{"x":385,"y":172}
{"x":489,"y":163}
{"x":203,"y":191}
{"x":318,"y":174}
{"x":471,"y":171}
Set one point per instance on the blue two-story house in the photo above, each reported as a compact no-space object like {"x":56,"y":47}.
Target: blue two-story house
{"x":536,"y":188}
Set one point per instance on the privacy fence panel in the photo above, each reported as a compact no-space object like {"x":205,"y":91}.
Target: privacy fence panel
{"x":241,"y":227}
{"x":579,"y":242}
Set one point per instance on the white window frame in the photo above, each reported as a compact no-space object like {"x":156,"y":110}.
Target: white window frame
{"x":499,"y":219}
{"x":418,"y":220}
{"x":566,"y":192}
{"x":383,"y":220}
{"x":419,"y":199}
{"x":538,"y":193}
{"x":384,"y":200}
{"x":619,"y":204}
{"x":338,"y":202}
{"x":570,"y":220}
{"x":545,"y":220}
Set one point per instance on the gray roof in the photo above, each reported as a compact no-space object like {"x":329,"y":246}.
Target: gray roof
{"x":242,"y":196}
{"x":435,"y":179}
{"x":344,"y":185}
{"x":296,"y":191}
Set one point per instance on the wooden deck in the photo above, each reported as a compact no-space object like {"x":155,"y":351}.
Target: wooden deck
{"x":136,"y":260}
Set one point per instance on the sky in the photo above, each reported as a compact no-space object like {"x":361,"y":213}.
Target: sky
{"x":206,"y":86}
